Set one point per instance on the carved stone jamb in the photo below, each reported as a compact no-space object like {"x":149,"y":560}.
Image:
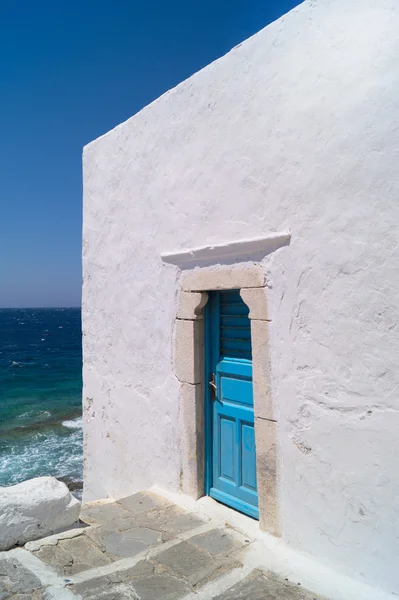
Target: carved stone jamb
{"x":189,"y":369}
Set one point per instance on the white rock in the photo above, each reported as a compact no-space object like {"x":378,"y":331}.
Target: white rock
{"x":34,"y":509}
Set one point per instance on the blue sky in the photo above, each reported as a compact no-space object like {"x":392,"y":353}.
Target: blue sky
{"x":69,"y":72}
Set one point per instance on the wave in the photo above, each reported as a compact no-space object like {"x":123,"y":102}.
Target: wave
{"x":31,"y":421}
{"x":28,"y":362}
{"x":59,"y":456}
{"x":43,"y":414}
{"x":73,"y":424}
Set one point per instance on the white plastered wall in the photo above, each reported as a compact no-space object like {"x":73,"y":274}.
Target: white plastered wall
{"x":295,"y":130}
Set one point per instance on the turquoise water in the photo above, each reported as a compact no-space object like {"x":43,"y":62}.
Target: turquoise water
{"x":40,"y":394}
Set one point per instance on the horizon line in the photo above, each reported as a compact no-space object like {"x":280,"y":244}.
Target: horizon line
{"x":38,"y":307}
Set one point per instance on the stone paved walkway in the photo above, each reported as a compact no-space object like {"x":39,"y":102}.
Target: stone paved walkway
{"x":141,"y":548}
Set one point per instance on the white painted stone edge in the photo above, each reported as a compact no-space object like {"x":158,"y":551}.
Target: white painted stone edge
{"x":52,"y":540}
{"x":240,"y":248}
{"x":46,"y":574}
{"x":101,"y":502}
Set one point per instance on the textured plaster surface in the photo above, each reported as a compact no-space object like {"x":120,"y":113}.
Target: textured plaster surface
{"x":294,"y":130}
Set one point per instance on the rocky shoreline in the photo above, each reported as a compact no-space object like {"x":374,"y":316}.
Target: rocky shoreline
{"x":34,"y":509}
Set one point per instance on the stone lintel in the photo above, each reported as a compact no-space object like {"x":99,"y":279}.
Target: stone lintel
{"x":226,"y":278}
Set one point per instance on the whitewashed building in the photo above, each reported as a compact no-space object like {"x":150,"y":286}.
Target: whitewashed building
{"x":272,"y":172}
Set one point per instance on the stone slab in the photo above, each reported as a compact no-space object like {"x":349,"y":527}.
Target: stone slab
{"x":16,"y":579}
{"x":97,"y":587}
{"x":138,"y":583}
{"x":167,"y":520}
{"x":261,"y":586}
{"x":98,"y":534}
{"x":131,"y":542}
{"x":52,"y":540}
{"x":73,"y":556}
{"x":98,"y":514}
{"x":143,"y":568}
{"x":36,"y":595}
{"x":160,"y":587}
{"x":190,"y":562}
{"x":56,"y":557}
{"x":99,"y":562}
{"x":182,"y":523}
{"x":103,"y":589}
{"x":217,"y":542}
{"x":142,"y":502}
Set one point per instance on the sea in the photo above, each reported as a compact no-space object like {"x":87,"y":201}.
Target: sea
{"x":41,"y":395}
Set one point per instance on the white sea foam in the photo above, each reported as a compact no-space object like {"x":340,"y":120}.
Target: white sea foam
{"x":73,"y":424}
{"x":43,"y":454}
{"x":36,"y":416}
{"x":26,"y":415}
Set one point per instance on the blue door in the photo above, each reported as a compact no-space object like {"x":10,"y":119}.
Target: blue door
{"x":230,"y":433}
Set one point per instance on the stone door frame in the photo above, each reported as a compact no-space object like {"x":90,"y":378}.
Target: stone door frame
{"x":189,"y":355}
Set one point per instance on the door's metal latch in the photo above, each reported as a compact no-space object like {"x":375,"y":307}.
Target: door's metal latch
{"x":213,"y":385}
